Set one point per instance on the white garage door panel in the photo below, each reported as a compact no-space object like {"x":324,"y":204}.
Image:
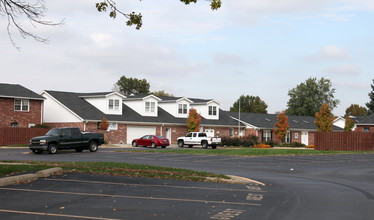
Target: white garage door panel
{"x":134,"y":132}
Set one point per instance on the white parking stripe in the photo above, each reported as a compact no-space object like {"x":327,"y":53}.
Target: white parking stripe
{"x":51,"y":214}
{"x":131,"y":197}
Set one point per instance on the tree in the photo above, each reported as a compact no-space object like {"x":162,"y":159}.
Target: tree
{"x":324,"y":118}
{"x":162,"y":93}
{"x":282,"y":126}
{"x":349,"y":124}
{"x":193,"y":120}
{"x":16,"y":10}
{"x":249,"y":104}
{"x":370,"y":104}
{"x":356,"y":110}
{"x":104,"y":124}
{"x":308,"y":97}
{"x":128,"y":86}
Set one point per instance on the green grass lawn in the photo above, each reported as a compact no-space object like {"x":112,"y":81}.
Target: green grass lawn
{"x":248,"y":152}
{"x":107,"y":168}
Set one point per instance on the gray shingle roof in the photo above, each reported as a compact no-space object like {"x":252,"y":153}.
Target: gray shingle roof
{"x":267,"y":121}
{"x":368,"y":120}
{"x":17,"y":91}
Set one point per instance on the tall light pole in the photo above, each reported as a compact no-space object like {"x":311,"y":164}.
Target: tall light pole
{"x":239,"y":121}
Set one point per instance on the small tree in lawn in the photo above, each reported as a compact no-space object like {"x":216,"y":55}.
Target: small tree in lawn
{"x":193,"y":120}
{"x":324,"y":118}
{"x":282,"y":126}
{"x":349,"y":124}
{"x":104,"y":124}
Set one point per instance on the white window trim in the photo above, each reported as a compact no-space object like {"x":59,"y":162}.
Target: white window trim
{"x":182,"y":109}
{"x":212,"y":110}
{"x":21,"y":105}
{"x":150,"y":106}
{"x":266,"y":135}
{"x":296,"y":135}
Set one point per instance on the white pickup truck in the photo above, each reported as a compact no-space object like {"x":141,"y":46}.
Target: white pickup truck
{"x":199,"y":138}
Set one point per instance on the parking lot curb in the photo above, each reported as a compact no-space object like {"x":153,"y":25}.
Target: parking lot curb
{"x":239,"y":180}
{"x":12,"y":180}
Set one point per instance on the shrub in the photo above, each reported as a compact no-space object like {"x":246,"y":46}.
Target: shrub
{"x":310,"y":146}
{"x":294,"y":144}
{"x":247,"y":141}
{"x":271,"y":143}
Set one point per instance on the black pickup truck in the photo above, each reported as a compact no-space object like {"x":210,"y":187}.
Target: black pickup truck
{"x":66,"y":138}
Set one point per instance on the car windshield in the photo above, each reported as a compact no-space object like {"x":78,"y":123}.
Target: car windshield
{"x":53,"y":132}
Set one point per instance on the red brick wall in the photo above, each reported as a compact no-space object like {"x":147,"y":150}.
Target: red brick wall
{"x":8,"y":115}
{"x":360,"y":128}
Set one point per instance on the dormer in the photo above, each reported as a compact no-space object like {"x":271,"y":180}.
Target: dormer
{"x":178,"y":107}
{"x":145,"y":105}
{"x":209,"y":109}
{"x":108,"y":103}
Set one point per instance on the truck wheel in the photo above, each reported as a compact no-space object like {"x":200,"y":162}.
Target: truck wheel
{"x":79,"y":149}
{"x":134,"y":144}
{"x":52,"y":148}
{"x":180,"y":143}
{"x":93,"y":146}
{"x":153,"y":145}
{"x":214,"y":146}
{"x":204,"y":144}
{"x":190,"y":145}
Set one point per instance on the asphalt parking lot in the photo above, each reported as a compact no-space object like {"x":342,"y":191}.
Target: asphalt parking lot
{"x":85,"y":196}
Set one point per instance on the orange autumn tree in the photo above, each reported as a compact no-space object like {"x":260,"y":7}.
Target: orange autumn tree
{"x":104,"y":124}
{"x":193,"y":120}
{"x":324,"y":118}
{"x":349,"y":124}
{"x":282,"y":126}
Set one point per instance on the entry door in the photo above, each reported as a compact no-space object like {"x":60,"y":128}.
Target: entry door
{"x":168,"y":134}
{"x":304,"y":137}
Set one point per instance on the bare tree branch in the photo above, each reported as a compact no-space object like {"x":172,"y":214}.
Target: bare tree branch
{"x":17,"y":10}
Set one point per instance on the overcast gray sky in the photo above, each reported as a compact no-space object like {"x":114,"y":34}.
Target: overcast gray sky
{"x":251,"y":47}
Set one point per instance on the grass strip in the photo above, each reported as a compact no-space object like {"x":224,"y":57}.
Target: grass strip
{"x":248,"y":152}
{"x":107,"y":168}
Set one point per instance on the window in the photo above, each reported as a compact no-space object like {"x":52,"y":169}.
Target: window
{"x":231,"y":132}
{"x":266,"y":135}
{"x":113,"y":126}
{"x":212,"y":110}
{"x":296,"y":135}
{"x":366,"y":129}
{"x":21,"y":105}
{"x":182,"y":108}
{"x":150,"y":106}
{"x":202,"y":134}
{"x":14,"y":124}
{"x":113,"y":104}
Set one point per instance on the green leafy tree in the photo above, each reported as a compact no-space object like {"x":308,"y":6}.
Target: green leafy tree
{"x":309,"y":96}
{"x":356,"y":110}
{"x":193,"y":120}
{"x":349,"y":124}
{"x":324,"y":118}
{"x":282,"y":126}
{"x":128,"y":86}
{"x":249,"y":104}
{"x":104,"y":124}
{"x":162,"y":93}
{"x":370,"y":104}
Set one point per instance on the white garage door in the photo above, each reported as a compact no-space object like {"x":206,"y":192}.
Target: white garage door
{"x":134,"y":132}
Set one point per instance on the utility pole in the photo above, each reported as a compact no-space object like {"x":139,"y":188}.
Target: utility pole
{"x":239,"y":121}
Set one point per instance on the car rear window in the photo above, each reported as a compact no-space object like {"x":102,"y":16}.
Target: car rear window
{"x":160,"y":137}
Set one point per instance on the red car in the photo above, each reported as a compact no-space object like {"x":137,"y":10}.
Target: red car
{"x":151,"y":140}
